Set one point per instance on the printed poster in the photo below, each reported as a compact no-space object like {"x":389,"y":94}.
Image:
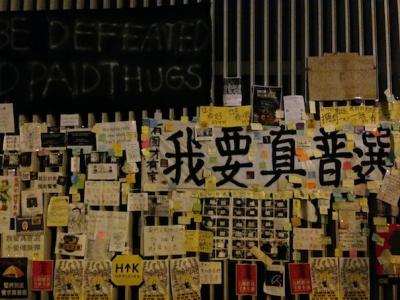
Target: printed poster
{"x":29,"y":245}
{"x":185,"y":278}
{"x":71,"y":244}
{"x":274,"y":283}
{"x":232,"y":95}
{"x":354,"y":278}
{"x":300,"y":278}
{"x":266,"y":101}
{"x":68,"y":279}
{"x":155,"y":280}
{"x":9,"y":194}
{"x":42,"y":275}
{"x":31,"y":202}
{"x":325,"y":278}
{"x":96,"y":283}
{"x":13,"y":277}
{"x":246,"y":280}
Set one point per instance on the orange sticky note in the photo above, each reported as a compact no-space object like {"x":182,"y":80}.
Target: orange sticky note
{"x":299,"y":151}
{"x":303,"y":157}
{"x":169,"y":127}
{"x":264,"y":154}
{"x":311,"y":185}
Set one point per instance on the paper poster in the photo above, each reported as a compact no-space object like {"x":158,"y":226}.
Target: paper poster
{"x":266,"y":100}
{"x":164,"y":240}
{"x":216,"y":217}
{"x":155,"y":280}
{"x":42,"y":275}
{"x":76,"y":218}
{"x":13,"y":278}
{"x":232,"y":94}
{"x":325,"y":278}
{"x":49,"y":182}
{"x":30,"y":137}
{"x":70,"y":120}
{"x":210,"y":272}
{"x":68,"y":279}
{"x":217,"y":116}
{"x":294,"y":108}
{"x":11,"y":143}
{"x":198,"y":241}
{"x":9,"y":194}
{"x":122,"y":135}
{"x":7,"y":118}
{"x":109,"y":228}
{"x":31,"y":202}
{"x":300,"y":278}
{"x":71,"y":244}
{"x":58,"y":211}
{"x":246,"y":280}
{"x":96,"y":282}
{"x":138,"y":202}
{"x":102,"y":193}
{"x":102,"y":171}
{"x":274,"y":283}
{"x":308,"y":238}
{"x":31,"y":246}
{"x":390,"y":192}
{"x":185,"y":278}
{"x":352,"y":233}
{"x":29,"y":225}
{"x":354,"y":278}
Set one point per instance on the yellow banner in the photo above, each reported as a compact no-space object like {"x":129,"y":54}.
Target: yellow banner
{"x":221,"y":116}
{"x":356,"y":115}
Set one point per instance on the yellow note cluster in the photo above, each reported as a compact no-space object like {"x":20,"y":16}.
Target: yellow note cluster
{"x":221,"y":116}
{"x":199,"y":241}
{"x":355,"y":115}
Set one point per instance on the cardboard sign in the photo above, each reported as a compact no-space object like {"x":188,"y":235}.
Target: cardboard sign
{"x":13,"y":277}
{"x":342,"y":77}
{"x":127,"y":270}
{"x":42,"y":275}
{"x":246,"y":280}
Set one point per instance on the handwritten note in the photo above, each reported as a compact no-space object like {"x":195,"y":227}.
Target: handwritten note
{"x":210,"y":272}
{"x":58,"y":211}
{"x":355,"y":115}
{"x":217,"y":116}
{"x":390,"y":192}
{"x":164,"y":240}
{"x":199,"y":241}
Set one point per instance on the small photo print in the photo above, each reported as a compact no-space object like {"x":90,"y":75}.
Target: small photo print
{"x":204,"y":134}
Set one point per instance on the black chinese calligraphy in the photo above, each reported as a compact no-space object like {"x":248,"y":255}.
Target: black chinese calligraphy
{"x":283,"y":155}
{"x":230,"y":144}
{"x":194,"y":162}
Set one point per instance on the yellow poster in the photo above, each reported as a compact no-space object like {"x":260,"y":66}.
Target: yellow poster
{"x":57,"y":211}
{"x":127,"y":270}
{"x":356,"y":115}
{"x":199,"y":241}
{"x":224,"y":116}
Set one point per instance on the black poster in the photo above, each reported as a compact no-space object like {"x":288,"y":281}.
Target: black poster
{"x":13,"y":277}
{"x":102,"y":60}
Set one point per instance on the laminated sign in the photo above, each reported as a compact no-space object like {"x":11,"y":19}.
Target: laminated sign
{"x":127,"y":270}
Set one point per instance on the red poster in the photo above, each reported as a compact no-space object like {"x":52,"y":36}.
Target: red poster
{"x":42,"y":275}
{"x":246,"y":279}
{"x":300,"y":278}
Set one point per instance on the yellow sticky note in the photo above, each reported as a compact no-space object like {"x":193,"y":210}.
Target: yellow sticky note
{"x":211,"y":183}
{"x":380,"y":221}
{"x":117,"y":150}
{"x":295,"y":179}
{"x":130,"y":178}
{"x":197,"y":218}
{"x":338,"y":252}
{"x":183,"y":220}
{"x":185,"y":119}
{"x":73,"y":190}
{"x":169,"y":127}
{"x":349,"y":183}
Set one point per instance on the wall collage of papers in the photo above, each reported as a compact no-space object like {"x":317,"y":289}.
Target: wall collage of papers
{"x":285,"y":196}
